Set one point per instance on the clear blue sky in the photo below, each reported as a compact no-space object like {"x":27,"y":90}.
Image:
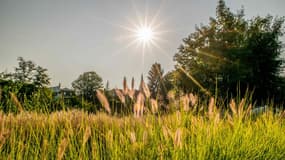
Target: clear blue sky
{"x":69,"y":37}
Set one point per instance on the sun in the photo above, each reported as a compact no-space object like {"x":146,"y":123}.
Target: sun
{"x":144,"y":34}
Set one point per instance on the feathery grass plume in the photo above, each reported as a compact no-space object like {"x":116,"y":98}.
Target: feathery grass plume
{"x":185,"y":102}
{"x":178,"y":138}
{"x":230,"y":120}
{"x":145,"y":137}
{"x":154,"y":105}
{"x":241,"y":107}
{"x":233,"y":107}
{"x":120,"y":95}
{"x":139,"y":105}
{"x":16,"y":102}
{"x":248,"y":110}
{"x":87,"y":135}
{"x":146,"y":90}
{"x":125,"y":86}
{"x":131,"y":94}
{"x":133,"y":84}
{"x":133,"y":137}
{"x":61,"y":148}
{"x":136,"y":109}
{"x":211,"y":107}
{"x":103,"y":100}
{"x":166,"y":132}
{"x":193,"y":99}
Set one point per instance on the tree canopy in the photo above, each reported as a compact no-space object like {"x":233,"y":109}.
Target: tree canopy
{"x":87,"y":84}
{"x":28,"y":72}
{"x":233,"y":52}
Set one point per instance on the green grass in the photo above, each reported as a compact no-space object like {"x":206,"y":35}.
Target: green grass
{"x":180,"y":135}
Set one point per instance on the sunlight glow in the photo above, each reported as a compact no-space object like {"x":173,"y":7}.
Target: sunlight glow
{"x":145,"y":34}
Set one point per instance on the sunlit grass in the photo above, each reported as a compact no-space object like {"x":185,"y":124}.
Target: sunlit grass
{"x":180,"y":135}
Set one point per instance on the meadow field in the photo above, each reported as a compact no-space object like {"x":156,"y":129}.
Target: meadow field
{"x":208,"y":134}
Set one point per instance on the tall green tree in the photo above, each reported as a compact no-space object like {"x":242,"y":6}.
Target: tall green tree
{"x":87,"y":84}
{"x":25,"y":71}
{"x":41,"y":78}
{"x":231,"y":50}
{"x":155,"y":80}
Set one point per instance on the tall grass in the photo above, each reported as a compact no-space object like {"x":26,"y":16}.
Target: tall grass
{"x":76,"y":134}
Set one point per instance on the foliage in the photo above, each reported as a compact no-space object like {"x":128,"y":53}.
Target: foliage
{"x":28,"y":72}
{"x":231,"y":51}
{"x":155,"y":79}
{"x":87,"y":84}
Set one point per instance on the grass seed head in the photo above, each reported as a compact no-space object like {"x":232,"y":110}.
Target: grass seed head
{"x":193,"y":99}
{"x":16,"y":102}
{"x":211,"y":107}
{"x":125,"y":86}
{"x":185,"y":102}
{"x":233,"y":107}
{"x":154,"y":105}
{"x":178,"y":138}
{"x":103,"y":100}
{"x":120,"y":95}
{"x":61,"y":148}
{"x":87,"y":135}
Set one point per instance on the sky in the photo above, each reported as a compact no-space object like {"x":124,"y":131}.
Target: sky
{"x":69,"y":37}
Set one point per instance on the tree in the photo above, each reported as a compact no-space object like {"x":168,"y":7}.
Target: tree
{"x":231,"y":50}
{"x":28,"y":72}
{"x":41,"y":78}
{"x":24,"y":72}
{"x":87,"y":84}
{"x":155,"y":80}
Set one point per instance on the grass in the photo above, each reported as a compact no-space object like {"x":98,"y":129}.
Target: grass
{"x":76,"y":134}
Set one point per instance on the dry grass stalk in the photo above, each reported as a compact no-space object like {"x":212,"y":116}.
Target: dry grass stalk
{"x":193,"y":99}
{"x":146,"y":90}
{"x":125,"y":86}
{"x":230,"y":120}
{"x":166,"y":132}
{"x":233,"y":107}
{"x":133,"y":84}
{"x":185,"y":102}
{"x":61,"y":148}
{"x":120,"y":95}
{"x":241,"y":107}
{"x":139,"y":105}
{"x":154,"y":105}
{"x":178,"y":138}
{"x":131,"y":94}
{"x":103,"y":100}
{"x":136,"y":110}
{"x":211,"y":107}
{"x":133,"y":137}
{"x":248,"y":110}
{"x":16,"y":102}
{"x":87,"y":135}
